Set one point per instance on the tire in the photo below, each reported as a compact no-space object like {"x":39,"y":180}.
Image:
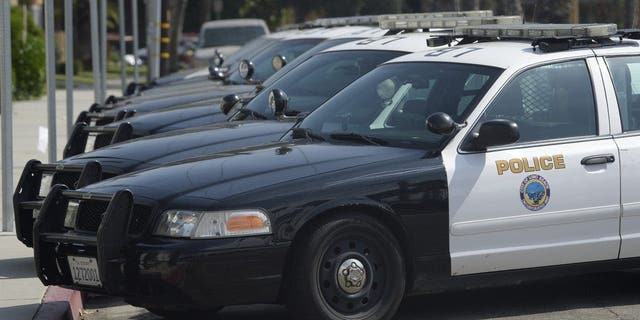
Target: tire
{"x":326,"y":273}
{"x":186,"y":314}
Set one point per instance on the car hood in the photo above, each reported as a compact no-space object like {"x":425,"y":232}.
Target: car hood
{"x":183,"y":144}
{"x":166,"y":102}
{"x":188,"y":116}
{"x":216,"y":177}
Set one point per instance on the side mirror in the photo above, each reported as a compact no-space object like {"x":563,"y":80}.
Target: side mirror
{"x":496,"y":132}
{"x":246,"y":69}
{"x":278,"y":62}
{"x":442,"y":124}
{"x":217,"y":60}
{"x":278,"y":102}
{"x":228,"y":102}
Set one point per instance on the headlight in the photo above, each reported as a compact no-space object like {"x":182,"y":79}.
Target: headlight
{"x":207,"y":224}
{"x":45,"y":184}
{"x":70,"y":217}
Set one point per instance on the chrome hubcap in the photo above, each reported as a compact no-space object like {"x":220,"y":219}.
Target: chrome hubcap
{"x":351,"y":276}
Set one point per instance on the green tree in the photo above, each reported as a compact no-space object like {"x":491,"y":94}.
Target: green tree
{"x":27,"y":56}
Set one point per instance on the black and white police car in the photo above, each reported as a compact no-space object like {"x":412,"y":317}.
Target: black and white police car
{"x":299,"y":92}
{"x":524,"y":168}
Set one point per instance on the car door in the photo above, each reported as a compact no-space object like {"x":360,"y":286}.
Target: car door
{"x":551,"y":198}
{"x":624,"y":89}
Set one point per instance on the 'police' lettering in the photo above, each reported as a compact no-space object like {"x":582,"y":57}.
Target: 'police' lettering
{"x":519,"y":165}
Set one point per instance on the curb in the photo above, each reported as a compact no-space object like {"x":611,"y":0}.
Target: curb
{"x":59,"y":304}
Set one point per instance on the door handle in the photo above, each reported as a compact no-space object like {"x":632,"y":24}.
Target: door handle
{"x":598,"y":159}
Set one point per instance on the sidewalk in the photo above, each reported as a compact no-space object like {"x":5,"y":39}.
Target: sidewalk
{"x":20,"y":290}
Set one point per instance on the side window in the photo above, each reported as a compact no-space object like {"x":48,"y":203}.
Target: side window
{"x":548,"y":102}
{"x":625,"y":72}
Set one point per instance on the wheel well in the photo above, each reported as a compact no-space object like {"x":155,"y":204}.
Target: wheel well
{"x":377,"y":213}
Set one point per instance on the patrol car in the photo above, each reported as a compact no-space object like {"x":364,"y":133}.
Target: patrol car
{"x":289,"y":47}
{"x":86,"y":138}
{"x":89,"y":131}
{"x":524,"y":168}
{"x":305,"y":87}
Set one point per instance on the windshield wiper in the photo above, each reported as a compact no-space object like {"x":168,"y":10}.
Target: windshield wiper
{"x":298,"y":133}
{"x":254,"y":114}
{"x":358,"y":137}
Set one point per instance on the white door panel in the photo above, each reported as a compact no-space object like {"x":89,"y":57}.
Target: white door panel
{"x":630,"y":224}
{"x":491,"y":229}
{"x":624,"y":98}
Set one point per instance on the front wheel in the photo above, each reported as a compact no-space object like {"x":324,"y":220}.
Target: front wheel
{"x":349,"y":267}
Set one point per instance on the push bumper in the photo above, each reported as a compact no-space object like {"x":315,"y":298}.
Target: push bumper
{"x":156,"y":272}
{"x":79,"y":140}
{"x":26,"y":199}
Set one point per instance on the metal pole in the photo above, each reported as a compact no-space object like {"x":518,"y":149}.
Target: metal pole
{"x":123,"y":49}
{"x":95,"y":50}
{"x":154,"y":13}
{"x":6,"y":110}
{"x":134,"y":24}
{"x":68,"y":31}
{"x":103,"y":50}
{"x":51,"y":78}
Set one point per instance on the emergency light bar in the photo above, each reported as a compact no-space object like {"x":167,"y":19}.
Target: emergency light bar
{"x":534,"y":31}
{"x":345,"y":21}
{"x":447,"y":22}
{"x":443,"y":14}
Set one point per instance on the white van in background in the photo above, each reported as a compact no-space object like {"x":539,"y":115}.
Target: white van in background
{"x":226,"y":36}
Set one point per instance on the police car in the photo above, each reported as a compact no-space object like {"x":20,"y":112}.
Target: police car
{"x":523,"y":168}
{"x":86,"y":138}
{"x":89,"y":133}
{"x":301,"y":90}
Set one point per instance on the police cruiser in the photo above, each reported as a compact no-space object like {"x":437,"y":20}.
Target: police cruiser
{"x":435,"y":171}
{"x":264,"y":119}
{"x":90,"y":134}
{"x":289,"y":47}
{"x":86,"y":138}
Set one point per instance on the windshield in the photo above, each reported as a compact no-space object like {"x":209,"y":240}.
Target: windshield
{"x":317,"y":79}
{"x":303,"y":57}
{"x":263,"y":69}
{"x":391,"y":104}
{"x":249,"y":49}
{"x":229,"y":36}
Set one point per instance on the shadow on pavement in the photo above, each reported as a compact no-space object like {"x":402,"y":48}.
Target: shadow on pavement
{"x":19,"y":312}
{"x":17,"y":268}
{"x":598,"y":296}
{"x":608,"y":290}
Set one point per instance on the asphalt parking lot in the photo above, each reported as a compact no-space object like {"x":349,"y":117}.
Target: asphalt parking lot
{"x":593,"y":297}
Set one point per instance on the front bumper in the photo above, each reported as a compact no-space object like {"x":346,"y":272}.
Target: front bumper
{"x":156,"y":272}
{"x":26,"y":199}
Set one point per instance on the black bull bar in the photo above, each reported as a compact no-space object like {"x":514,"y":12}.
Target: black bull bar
{"x":25,"y":197}
{"x":109,"y":241}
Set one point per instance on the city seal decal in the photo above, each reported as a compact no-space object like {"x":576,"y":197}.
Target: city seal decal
{"x":534,"y":192}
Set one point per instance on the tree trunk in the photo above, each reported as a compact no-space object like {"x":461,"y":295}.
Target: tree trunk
{"x":574,"y":11}
{"x":631,"y":13}
{"x":177,"y":21}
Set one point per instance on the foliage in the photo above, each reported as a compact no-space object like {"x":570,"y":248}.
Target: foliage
{"x":27,"y":57}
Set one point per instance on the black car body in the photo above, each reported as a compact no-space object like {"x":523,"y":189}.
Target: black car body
{"x":290,"y":180}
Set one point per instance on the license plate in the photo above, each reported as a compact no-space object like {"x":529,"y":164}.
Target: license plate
{"x":84,"y":271}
